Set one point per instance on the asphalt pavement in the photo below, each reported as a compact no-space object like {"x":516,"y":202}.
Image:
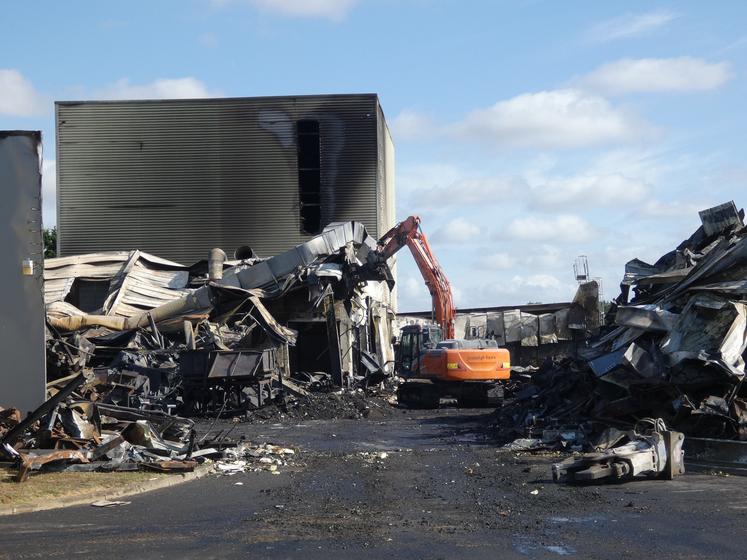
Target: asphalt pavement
{"x":412,"y":485}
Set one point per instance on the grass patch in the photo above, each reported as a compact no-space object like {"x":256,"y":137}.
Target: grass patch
{"x":54,"y":486}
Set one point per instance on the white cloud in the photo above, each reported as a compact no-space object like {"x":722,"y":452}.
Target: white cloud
{"x":49,"y":193}
{"x":334,"y":10}
{"x":457,"y":230}
{"x":589,"y":190}
{"x":671,"y":209}
{"x":412,"y":288}
{"x":495,"y":261}
{"x":413,"y":294}
{"x":658,"y":74}
{"x":467,"y":191}
{"x":565,"y":118}
{"x":411,"y":125}
{"x":562,"y":228}
{"x":523,"y":289}
{"x":630,"y":25}
{"x":545,"y":256}
{"x":18,"y":98}
{"x":164,"y":88}
{"x":425,"y":175}
{"x":542,"y":281}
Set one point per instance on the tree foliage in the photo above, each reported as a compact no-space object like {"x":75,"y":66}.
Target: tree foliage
{"x":50,"y":243}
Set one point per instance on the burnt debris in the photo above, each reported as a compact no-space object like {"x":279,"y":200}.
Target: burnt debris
{"x":672,"y":348}
{"x":135,"y":344}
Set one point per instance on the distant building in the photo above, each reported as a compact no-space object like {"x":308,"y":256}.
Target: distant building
{"x":531,"y":332}
{"x":178,"y":177}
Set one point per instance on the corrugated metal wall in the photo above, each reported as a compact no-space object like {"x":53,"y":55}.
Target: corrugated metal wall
{"x":385,"y":195}
{"x":177,"y":177}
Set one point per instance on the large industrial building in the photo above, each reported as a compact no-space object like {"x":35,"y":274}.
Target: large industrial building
{"x":178,"y":177}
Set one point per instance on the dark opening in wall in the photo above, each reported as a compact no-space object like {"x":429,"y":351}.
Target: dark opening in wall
{"x":309,"y":175}
{"x":88,"y":294}
{"x":311,"y":352}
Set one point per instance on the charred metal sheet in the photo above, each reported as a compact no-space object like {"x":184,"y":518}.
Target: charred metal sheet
{"x":646,"y":317}
{"x":720,"y":218}
{"x":37,"y":459}
{"x":273,"y":273}
{"x":171,"y":466}
{"x":136,"y":281}
{"x":48,"y":406}
{"x":674,"y":347}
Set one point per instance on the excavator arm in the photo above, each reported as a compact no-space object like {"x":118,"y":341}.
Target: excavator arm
{"x":408,"y":233}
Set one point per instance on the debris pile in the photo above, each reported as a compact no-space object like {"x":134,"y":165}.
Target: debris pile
{"x":653,"y":452}
{"x":134,"y":340}
{"x":673,"y":348}
{"x":215,"y":338}
{"x":70,"y":434}
{"x":67,"y":433}
{"x":247,"y":458}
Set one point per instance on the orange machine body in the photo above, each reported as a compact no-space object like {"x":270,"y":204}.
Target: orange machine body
{"x":465,"y":364}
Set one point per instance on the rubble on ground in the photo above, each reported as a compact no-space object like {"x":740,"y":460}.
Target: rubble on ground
{"x":70,"y":434}
{"x":673,"y":348}
{"x":136,"y":343}
{"x":650,"y":452}
{"x":214,"y":338}
{"x":247,"y":458}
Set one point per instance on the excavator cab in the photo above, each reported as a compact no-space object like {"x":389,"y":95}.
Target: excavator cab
{"x":468,"y":372}
{"x":414,"y":341}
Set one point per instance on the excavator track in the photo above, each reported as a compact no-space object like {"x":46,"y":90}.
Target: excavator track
{"x":423,"y":393}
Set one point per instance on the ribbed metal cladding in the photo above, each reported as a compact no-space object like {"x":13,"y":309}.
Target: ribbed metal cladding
{"x":178,"y":177}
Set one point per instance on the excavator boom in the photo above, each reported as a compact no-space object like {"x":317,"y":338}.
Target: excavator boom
{"x":408,"y":233}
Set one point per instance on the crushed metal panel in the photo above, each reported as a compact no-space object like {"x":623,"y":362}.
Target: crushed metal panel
{"x":637,"y":269}
{"x":21,"y":276}
{"x":529,"y":329}
{"x":561,"y":324}
{"x":727,"y":255}
{"x":709,"y":325}
{"x":607,"y":362}
{"x":137,"y":281}
{"x":649,"y":317}
{"x":477,"y":325}
{"x":668,"y":277}
{"x":587,"y":296}
{"x":494,"y":327}
{"x":272,"y":273}
{"x":547,"y":330}
{"x":720,"y":218}
{"x":460,"y":326}
{"x":512,"y":325}
{"x":731,"y":287}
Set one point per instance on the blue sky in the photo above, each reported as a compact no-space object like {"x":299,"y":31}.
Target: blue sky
{"x":526,"y":132}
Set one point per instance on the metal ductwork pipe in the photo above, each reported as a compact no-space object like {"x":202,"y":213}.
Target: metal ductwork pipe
{"x":216,"y":258}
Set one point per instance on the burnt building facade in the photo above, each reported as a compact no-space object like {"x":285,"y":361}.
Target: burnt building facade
{"x":178,"y":177}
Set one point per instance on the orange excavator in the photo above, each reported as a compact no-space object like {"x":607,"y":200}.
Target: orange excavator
{"x":435,"y":365}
